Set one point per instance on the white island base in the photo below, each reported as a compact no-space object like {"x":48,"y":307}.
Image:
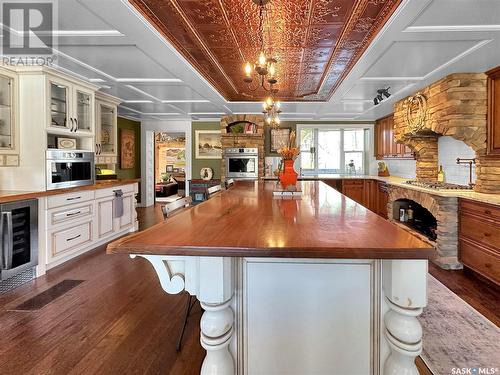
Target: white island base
{"x":275,"y":316}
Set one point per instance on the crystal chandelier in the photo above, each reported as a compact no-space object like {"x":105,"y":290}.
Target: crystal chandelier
{"x":263,"y":72}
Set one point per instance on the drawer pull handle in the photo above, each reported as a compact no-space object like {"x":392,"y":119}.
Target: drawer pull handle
{"x":73,"y":213}
{"x":73,"y":198}
{"x":487,"y":212}
{"x":73,"y":238}
{"x":487,"y":234}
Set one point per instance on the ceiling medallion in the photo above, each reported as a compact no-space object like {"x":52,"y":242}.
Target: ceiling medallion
{"x":416,"y":110}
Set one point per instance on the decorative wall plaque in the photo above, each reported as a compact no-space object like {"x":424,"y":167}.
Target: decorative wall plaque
{"x":416,"y":110}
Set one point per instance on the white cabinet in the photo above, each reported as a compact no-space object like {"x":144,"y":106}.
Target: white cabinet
{"x":71,"y":107}
{"x":104,"y":219}
{"x":9,"y":126}
{"x":106,"y":147}
{"x":80,"y":221}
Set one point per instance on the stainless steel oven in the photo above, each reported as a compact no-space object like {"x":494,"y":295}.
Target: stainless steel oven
{"x":242,"y":163}
{"x":18,"y":242}
{"x":69,"y":168}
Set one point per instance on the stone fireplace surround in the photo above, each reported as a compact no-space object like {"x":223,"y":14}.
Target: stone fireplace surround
{"x":457,"y":107}
{"x":445,"y":210}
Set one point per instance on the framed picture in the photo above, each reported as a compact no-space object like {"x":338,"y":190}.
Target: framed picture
{"x":279,"y":138}
{"x":169,"y":168}
{"x":208,"y":144}
{"x":176,"y":170}
{"x":127,"y":154}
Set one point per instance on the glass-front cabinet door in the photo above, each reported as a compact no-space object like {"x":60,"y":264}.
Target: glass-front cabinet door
{"x":107,"y":119}
{"x":84,"y":104}
{"x":59,"y":105}
{"x":6,"y":114}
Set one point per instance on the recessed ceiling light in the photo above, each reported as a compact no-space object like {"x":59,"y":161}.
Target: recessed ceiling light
{"x":147,"y":80}
{"x":186,"y":101}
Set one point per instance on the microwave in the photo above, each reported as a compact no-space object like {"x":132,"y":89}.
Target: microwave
{"x":69,"y":168}
{"x":242,"y":163}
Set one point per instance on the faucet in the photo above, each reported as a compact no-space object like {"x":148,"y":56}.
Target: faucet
{"x":470,"y":162}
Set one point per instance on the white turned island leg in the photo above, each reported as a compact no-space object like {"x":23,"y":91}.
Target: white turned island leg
{"x":216,"y":333}
{"x":405,"y":289}
{"x":215,"y":296}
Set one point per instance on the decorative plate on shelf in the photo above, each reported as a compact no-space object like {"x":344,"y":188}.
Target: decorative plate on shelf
{"x":66,"y":143}
{"x":207,"y":173}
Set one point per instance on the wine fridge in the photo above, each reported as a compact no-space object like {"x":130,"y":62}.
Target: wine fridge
{"x":18,"y":243}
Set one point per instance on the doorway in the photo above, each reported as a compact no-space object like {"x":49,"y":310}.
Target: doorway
{"x":170,"y":166}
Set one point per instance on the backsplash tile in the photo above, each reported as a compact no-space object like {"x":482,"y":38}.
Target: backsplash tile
{"x":449,"y":149}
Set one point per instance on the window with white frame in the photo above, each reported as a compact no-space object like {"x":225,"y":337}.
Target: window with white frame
{"x":326,"y":149}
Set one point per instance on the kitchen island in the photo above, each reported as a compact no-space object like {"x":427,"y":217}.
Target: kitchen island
{"x":317,"y":285}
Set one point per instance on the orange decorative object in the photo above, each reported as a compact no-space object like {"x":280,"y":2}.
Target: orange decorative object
{"x":288,"y":176}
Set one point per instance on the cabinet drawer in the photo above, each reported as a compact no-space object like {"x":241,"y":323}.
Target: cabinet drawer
{"x":480,"y":259}
{"x":66,"y":214}
{"x":484,"y":209}
{"x":68,"y":239}
{"x":353,"y":182}
{"x":486,"y":232}
{"x":70,"y":198}
{"x":103,"y":193}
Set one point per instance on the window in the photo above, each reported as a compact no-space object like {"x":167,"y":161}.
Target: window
{"x":327,"y":150}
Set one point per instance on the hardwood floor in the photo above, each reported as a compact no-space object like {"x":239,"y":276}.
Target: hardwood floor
{"x":119,"y":321}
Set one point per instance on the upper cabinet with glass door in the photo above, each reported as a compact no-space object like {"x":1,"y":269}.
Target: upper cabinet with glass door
{"x":9,"y":137}
{"x":106,"y":128}
{"x":71,"y":107}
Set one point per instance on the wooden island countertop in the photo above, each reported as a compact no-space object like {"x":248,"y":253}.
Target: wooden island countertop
{"x":247,"y":221}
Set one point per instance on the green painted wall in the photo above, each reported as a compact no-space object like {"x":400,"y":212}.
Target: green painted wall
{"x":197,"y":164}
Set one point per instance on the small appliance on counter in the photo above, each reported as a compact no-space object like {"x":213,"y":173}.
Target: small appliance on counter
{"x":67,"y":169}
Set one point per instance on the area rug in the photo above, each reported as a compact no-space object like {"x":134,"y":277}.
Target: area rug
{"x":456,"y":336}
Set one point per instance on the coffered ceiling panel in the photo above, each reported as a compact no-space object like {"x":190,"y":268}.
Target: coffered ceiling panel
{"x":132,"y":62}
{"x":460,"y":13}
{"x":316,"y":42}
{"x":416,"y":59}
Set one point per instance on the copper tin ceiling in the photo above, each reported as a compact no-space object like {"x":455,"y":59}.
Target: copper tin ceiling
{"x":316,"y":42}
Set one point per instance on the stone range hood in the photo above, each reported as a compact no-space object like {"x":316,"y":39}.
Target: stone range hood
{"x":454,"y":106}
{"x":243,"y":140}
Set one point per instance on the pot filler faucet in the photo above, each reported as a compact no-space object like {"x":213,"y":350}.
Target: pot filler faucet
{"x":470,"y":162}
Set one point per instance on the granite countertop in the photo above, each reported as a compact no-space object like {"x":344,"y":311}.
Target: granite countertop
{"x":16,"y":195}
{"x":400,"y":181}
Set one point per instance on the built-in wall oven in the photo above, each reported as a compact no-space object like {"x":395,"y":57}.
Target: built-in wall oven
{"x":69,"y":168}
{"x":242,"y":163}
{"x":18,"y":243}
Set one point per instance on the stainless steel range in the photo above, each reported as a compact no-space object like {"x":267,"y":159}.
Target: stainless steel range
{"x":242,"y":163}
{"x":438,"y":185}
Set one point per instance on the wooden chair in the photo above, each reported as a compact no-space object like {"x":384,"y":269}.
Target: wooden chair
{"x":168,"y":210}
{"x":213,"y":190}
{"x":229,"y":183}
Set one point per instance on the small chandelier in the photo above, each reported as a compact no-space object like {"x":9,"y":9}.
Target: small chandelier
{"x":263,"y":71}
{"x":272,"y":109}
